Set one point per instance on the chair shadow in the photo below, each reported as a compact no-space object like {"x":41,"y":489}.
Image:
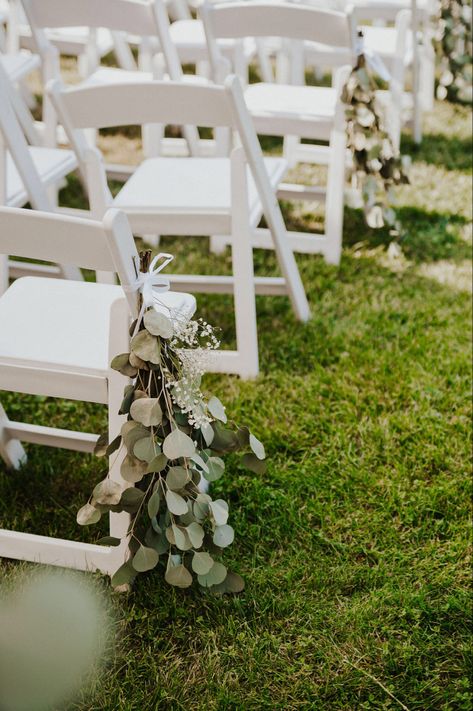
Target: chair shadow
{"x":428,"y":236}
{"x":451,"y":153}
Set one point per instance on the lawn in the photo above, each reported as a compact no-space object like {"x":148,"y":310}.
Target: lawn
{"x":355,"y":543}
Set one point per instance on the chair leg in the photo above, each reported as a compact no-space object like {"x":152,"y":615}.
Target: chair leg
{"x":243,"y":273}
{"x":334,"y":203}
{"x":11,"y":450}
{"x":119,"y":343}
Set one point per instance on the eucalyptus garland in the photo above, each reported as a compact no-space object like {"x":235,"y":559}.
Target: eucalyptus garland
{"x":455,"y":49}
{"x":377,"y":167}
{"x":174,"y":439}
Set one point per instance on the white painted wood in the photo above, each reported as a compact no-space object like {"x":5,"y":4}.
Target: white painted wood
{"x":64,"y":439}
{"x":11,"y":450}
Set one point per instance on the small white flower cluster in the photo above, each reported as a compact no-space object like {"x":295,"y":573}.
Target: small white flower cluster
{"x":194,"y":334}
{"x":188,"y":397}
{"x":192,"y":341}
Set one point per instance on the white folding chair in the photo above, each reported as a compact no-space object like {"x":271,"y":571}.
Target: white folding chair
{"x":288,"y":110}
{"x":26,"y":174}
{"x":57,"y":338}
{"x":193,"y":196}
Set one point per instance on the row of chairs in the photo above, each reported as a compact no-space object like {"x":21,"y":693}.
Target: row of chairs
{"x":222,"y":188}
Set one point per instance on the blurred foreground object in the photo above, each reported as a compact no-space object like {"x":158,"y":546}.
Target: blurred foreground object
{"x":53,"y":635}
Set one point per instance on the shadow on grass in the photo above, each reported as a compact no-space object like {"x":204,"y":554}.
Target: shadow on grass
{"x":451,"y":153}
{"x":428,"y":236}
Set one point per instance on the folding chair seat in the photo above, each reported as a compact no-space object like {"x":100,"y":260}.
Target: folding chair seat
{"x":193,"y":196}
{"x":169,"y":185}
{"x":72,"y":361}
{"x":302,"y":112}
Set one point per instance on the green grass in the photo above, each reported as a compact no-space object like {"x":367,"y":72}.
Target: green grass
{"x":355,"y":544}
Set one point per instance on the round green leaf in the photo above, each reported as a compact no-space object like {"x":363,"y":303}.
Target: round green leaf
{"x":101,"y":445}
{"x":124,"y":575}
{"x":178,"y":444}
{"x":158,"y":324}
{"x":131,"y":497}
{"x":196,"y":534}
{"x":252,"y":462}
{"x":219,"y":509}
{"x":233,"y":583}
{"x":146,"y":449}
{"x":257,"y":447}
{"x":87,"y":515}
{"x":145,"y":559}
{"x":223,"y":536}
{"x":132,"y":469}
{"x":216,"y":467}
{"x":157,"y":541}
{"x":216,"y":409}
{"x":157,"y":464}
{"x":201,"y":506}
{"x":197,"y":459}
{"x":153,"y":504}
{"x":109,"y":541}
{"x":147,"y":410}
{"x":131,"y":432}
{"x":176,"y":504}
{"x":108,"y":492}
{"x":178,"y":576}
{"x":114,"y":445}
{"x":207,"y":433}
{"x":122,"y":364}
{"x":215,"y":576}
{"x":177,"y":478}
{"x":146,"y":347}
{"x":202,"y":563}
{"x":181,"y":538}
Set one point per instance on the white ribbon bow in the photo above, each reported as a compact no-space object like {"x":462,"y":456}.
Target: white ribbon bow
{"x":373,"y":59}
{"x":151,"y":282}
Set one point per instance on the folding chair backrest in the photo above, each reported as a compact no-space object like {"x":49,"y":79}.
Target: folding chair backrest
{"x":144,"y":18}
{"x":233,"y":20}
{"x":134,"y":16}
{"x":141,"y":103}
{"x":13,"y":139}
{"x":101,"y":246}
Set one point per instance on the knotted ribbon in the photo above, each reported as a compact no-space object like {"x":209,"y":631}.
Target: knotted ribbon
{"x":151,"y":282}
{"x":373,"y":60}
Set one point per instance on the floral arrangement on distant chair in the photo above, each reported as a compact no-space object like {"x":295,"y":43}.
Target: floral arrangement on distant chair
{"x":174,"y":440}
{"x":454,"y":45}
{"x":377,"y":166}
